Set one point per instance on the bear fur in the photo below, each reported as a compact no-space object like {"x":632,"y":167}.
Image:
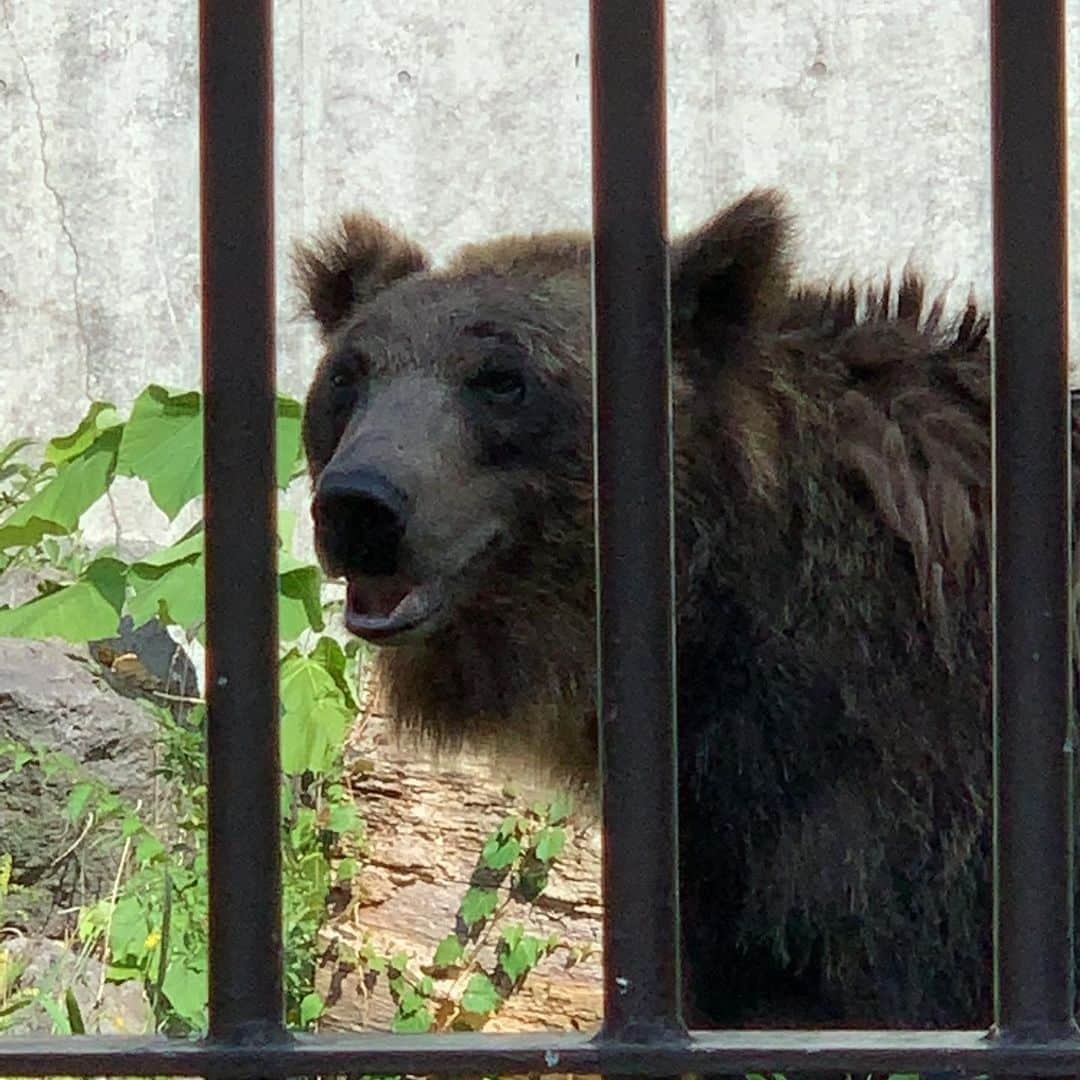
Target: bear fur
{"x":832,"y":479}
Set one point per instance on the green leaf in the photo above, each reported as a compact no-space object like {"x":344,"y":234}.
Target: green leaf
{"x":100,"y":417}
{"x":333,"y":658}
{"x":162,"y":445}
{"x":560,"y":809}
{"x":414,"y":1023}
{"x":186,"y":988}
{"x":289,"y":451}
{"x":549,"y":843}
{"x":480,"y":995}
{"x":316,"y":715}
{"x":74,"y":1013}
{"x":148,"y":849}
{"x":80,"y":612}
{"x":300,"y":598}
{"x":512,"y":934}
{"x":76,"y":801}
{"x":509,"y":827}
{"x":57,"y":507}
{"x":13,"y":448}
{"x":311,"y":1008}
{"x":170,"y":584}
{"x":497,"y":855}
{"x":478,"y":903}
{"x":342,"y":817}
{"x":522,"y":957}
{"x":346,"y":870}
{"x":449,"y":952}
{"x":128,"y":929}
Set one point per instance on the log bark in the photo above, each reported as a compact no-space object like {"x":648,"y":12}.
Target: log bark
{"x":427,"y":821}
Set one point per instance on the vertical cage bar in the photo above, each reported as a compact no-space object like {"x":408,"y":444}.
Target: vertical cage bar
{"x":1032,"y":661}
{"x":236,"y":144}
{"x":633,"y":449}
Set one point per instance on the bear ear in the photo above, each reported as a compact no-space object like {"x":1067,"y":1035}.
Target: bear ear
{"x":349,"y":265}
{"x":733,"y":271}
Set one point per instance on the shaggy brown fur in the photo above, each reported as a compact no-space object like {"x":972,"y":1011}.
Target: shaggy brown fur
{"x":832,"y":500}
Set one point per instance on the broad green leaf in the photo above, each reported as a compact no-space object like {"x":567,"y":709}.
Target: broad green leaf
{"x":478,"y":903}
{"x":172,"y":590}
{"x":162,"y":446}
{"x":100,"y":417}
{"x":512,"y":934}
{"x":316,"y":715}
{"x":57,"y":507}
{"x":87,"y":609}
{"x":300,"y":599}
{"x":449,"y":952}
{"x":346,"y":870}
{"x":480,"y":995}
{"x":332,"y":657}
{"x":186,"y":988}
{"x":128,"y":929}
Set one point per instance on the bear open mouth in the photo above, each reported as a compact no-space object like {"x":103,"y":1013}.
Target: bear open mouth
{"x":380,"y":608}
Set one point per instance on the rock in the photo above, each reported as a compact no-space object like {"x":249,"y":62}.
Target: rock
{"x":51,"y":701}
{"x":38,"y":967}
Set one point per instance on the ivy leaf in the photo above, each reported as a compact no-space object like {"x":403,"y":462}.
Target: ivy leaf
{"x":480,"y":995}
{"x":549,"y":843}
{"x":311,"y":1008}
{"x":497,"y":855}
{"x":449,"y":953}
{"x":478,"y":903}
{"x":522,"y":957}
{"x":87,"y":609}
{"x":56,"y":508}
{"x":559,"y":810}
{"x":413,"y":1023}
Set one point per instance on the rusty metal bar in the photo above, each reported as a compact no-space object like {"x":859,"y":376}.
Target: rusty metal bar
{"x":727,"y":1052}
{"x":1032,"y":662}
{"x":236,"y":142}
{"x":636,"y":637}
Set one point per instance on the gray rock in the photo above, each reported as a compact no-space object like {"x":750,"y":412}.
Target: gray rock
{"x":51,"y":701}
{"x":48,"y":968}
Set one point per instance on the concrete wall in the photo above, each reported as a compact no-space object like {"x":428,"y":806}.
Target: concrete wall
{"x":456,"y":122}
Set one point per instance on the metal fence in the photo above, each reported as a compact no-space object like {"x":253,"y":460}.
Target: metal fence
{"x":643,"y":1032}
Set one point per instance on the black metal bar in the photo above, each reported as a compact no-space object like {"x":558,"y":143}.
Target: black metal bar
{"x":246,"y":998}
{"x":636,"y":639}
{"x":731,"y":1052}
{"x":1033,"y":667}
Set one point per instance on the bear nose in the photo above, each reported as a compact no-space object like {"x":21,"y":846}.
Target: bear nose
{"x":360,"y":519}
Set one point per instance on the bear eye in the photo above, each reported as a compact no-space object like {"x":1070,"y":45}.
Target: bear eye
{"x":503,"y":386}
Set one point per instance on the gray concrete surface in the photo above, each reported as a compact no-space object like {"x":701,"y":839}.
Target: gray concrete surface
{"x":456,"y":122}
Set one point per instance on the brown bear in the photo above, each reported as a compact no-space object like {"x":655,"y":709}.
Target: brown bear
{"x":832,"y":509}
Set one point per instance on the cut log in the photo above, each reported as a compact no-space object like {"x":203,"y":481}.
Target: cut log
{"x":427,"y":822}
